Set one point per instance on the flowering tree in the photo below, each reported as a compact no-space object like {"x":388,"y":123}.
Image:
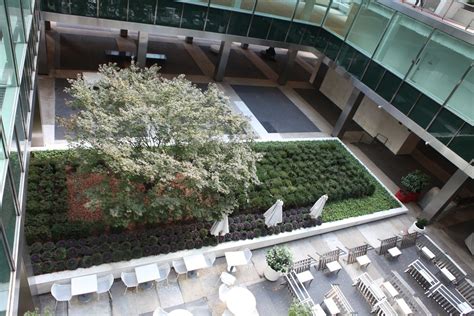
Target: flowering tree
{"x":163,"y":148}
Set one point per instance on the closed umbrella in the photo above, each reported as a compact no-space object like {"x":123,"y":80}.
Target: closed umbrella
{"x":274,"y":215}
{"x":317,"y":208}
{"x":221,"y":227}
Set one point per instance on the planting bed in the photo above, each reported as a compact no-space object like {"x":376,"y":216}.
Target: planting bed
{"x":297,"y":172}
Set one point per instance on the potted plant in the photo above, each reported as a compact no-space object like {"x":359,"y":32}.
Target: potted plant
{"x":412,"y":185}
{"x":298,"y":309}
{"x":279,"y":261}
{"x":418,"y":226}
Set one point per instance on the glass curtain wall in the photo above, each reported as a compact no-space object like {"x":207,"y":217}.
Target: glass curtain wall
{"x":311,"y":11}
{"x":461,"y":102}
{"x":340,"y":16}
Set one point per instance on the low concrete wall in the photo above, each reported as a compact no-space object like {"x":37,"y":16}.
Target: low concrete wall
{"x":41,"y":284}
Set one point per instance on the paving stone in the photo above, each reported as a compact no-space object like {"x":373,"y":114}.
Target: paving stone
{"x":170,"y":295}
{"x":98,"y":305}
{"x":133,"y":303}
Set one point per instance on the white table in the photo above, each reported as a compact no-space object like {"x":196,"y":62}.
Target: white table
{"x":363,"y":261}
{"x":305,"y":276}
{"x":333,"y":266}
{"x":426,"y":276}
{"x":331,"y":306}
{"x":84,"y":285}
{"x":404,"y":308}
{"x":392,"y":292}
{"x":394,"y":252}
{"x":427,"y":252}
{"x":180,"y":312}
{"x":378,"y":293}
{"x":465,"y":308}
{"x":448,"y":274}
{"x":195,"y":262}
{"x":318,"y":310}
{"x":241,"y":301}
{"x":147,"y":273}
{"x":235,"y":258}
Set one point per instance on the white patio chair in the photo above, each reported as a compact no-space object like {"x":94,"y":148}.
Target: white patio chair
{"x":104,"y":284}
{"x":210,"y":259}
{"x":160,"y":312}
{"x":164,"y":273}
{"x":180,"y":268}
{"x":61,"y":293}
{"x":248,"y":255}
{"x":223,"y":291}
{"x":227,"y":278}
{"x":130,"y":280}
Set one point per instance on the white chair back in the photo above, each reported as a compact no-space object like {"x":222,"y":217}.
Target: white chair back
{"x":179,"y":266}
{"x":61,"y":292}
{"x":210,"y":259}
{"x":129,"y":279}
{"x":164,"y":271}
{"x":105,"y":283}
{"x":248,"y":254}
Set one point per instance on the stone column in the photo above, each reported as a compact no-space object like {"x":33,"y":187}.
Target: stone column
{"x":318,"y":77}
{"x":447,"y":193}
{"x":43,"y":68}
{"x":142,"y":48}
{"x":289,"y":64}
{"x":347,"y":113}
{"x":224,"y":52}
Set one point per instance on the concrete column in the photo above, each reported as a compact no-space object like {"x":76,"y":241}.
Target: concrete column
{"x":308,"y":9}
{"x":123,"y":33}
{"x":188,"y":39}
{"x":318,"y":76}
{"x":289,"y":64}
{"x":43,"y":51}
{"x":244,"y":45}
{"x":224,"y":52}
{"x":447,"y":193}
{"x":347,"y":113}
{"x":142,"y":48}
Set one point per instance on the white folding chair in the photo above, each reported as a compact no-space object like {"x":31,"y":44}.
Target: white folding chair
{"x":61,"y":293}
{"x":210,"y":259}
{"x":130,"y":280}
{"x":164,"y":272}
{"x":180,"y":268}
{"x":104,"y":284}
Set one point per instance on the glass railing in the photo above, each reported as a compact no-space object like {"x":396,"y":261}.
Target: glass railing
{"x":420,"y":70}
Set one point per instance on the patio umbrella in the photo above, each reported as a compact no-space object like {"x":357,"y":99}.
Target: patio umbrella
{"x":274,"y":215}
{"x":317,"y":208}
{"x":221,"y":227}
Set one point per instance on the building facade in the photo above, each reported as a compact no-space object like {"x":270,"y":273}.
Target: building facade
{"x":19,"y":34}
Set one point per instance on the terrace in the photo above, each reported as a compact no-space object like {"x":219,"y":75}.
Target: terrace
{"x":199,"y":294}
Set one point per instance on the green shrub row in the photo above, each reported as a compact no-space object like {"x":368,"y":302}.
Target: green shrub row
{"x":105,"y":248}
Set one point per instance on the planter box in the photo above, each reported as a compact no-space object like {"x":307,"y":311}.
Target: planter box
{"x":406,"y":197}
{"x":41,"y":284}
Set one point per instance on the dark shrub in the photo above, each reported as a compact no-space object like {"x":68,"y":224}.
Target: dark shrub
{"x":165,"y":249}
{"x":203,"y":232}
{"x":103,"y":247}
{"x":147,"y":251}
{"x":48,"y":246}
{"x":36,"y":268}
{"x":86,"y":262}
{"x":35,"y":258}
{"x":137,"y":252}
{"x":36,"y":247}
{"x":117,"y":255}
{"x":125,"y":245}
{"x":181,"y":245}
{"x":97,"y":259}
{"x":236,"y":236}
{"x":247,"y":226}
{"x":85,"y":250}
{"x":198,"y":243}
{"x":37,"y":233}
{"x":173,"y":246}
{"x":59,"y":254}
{"x":113,"y":238}
{"x":135,"y":243}
{"x":127,"y":254}
{"x":151,"y":240}
{"x":46,"y":255}
{"x":173,"y":238}
{"x":72,"y":264}
{"x":155,"y":250}
{"x":59,"y":265}
{"x":71,"y":253}
{"x":71,"y":243}
{"x":107,"y":257}
{"x":47,"y":267}
{"x":257,"y":232}
{"x":243,"y":235}
{"x":190,"y":244}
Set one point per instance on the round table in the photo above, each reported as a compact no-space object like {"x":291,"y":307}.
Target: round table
{"x":241,"y":301}
{"x":180,"y":312}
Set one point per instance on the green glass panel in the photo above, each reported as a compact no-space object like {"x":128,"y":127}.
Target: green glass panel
{"x":462,"y":144}
{"x":239,"y":23}
{"x":311,"y":12}
{"x":369,"y":27}
{"x":279,"y":9}
{"x":373,"y":75}
{"x":334,"y":44}
{"x":217,"y":20}
{"x":461,"y":102}
{"x":388,"y":86}
{"x":5,"y":274}
{"x":321,"y":39}
{"x":296,"y":33}
{"x":8,"y":213}
{"x":359,"y":63}
{"x":310,"y":35}
{"x":445,"y":126}
{"x":15,"y":165}
{"x":441,"y":65}
{"x":84,"y":8}
{"x":142,"y":11}
{"x":345,"y":56}
{"x":424,"y":111}
{"x":278,"y":30}
{"x":403,"y":40}
{"x":7,"y":66}
{"x":27,"y":14}
{"x":405,"y":98}
{"x":58,"y":6}
{"x":260,"y":26}
{"x":113,"y":9}
{"x":194,"y":16}
{"x":340,"y":16}
{"x":169,"y":13}
{"x":17,"y":31}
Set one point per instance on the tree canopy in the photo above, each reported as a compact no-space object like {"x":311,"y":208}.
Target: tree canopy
{"x":162,"y":148}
